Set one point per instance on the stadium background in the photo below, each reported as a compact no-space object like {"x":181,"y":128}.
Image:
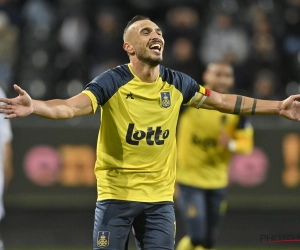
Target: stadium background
{"x":53,"y":48}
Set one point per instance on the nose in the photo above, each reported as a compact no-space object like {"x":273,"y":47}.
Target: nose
{"x":154,"y":35}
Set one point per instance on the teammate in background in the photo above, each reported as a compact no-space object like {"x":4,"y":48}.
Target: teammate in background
{"x":206,"y":141}
{"x":136,"y":150}
{"x":5,"y":160}
{"x":291,"y":160}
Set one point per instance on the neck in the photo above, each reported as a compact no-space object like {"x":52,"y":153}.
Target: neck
{"x":144,"y":72}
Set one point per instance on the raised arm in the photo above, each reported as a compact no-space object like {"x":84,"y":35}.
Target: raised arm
{"x":23,"y":105}
{"x":236,"y":104}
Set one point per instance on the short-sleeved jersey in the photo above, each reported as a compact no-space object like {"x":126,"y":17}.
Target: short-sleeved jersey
{"x":202,"y":161}
{"x":136,"y":149}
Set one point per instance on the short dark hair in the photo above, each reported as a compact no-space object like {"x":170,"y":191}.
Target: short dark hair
{"x":220,"y":62}
{"x":133,"y":20}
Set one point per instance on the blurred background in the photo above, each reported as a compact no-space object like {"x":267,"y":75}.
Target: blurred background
{"x":53,"y":48}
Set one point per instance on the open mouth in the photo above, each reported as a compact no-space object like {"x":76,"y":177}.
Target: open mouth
{"x":156,"y":47}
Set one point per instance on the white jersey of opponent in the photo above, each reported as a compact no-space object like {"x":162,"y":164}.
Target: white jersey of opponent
{"x":5,"y":137}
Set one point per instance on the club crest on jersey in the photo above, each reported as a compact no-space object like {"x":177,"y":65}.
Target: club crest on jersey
{"x":103,"y":238}
{"x":165,"y":99}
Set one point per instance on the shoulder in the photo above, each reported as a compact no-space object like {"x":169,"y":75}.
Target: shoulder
{"x":119,"y":75}
{"x":184,"y":83}
{"x":173,"y":76}
{"x":107,"y":84}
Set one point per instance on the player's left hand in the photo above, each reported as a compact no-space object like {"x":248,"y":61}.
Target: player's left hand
{"x":290,"y":108}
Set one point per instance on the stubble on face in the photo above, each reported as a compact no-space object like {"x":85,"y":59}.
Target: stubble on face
{"x":142,"y":35}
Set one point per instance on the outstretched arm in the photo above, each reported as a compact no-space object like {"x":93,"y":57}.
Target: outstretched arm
{"x":23,"y":105}
{"x":236,"y":104}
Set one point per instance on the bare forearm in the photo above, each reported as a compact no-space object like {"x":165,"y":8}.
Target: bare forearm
{"x":23,"y":105}
{"x":235,"y":104}
{"x":63,"y":109}
{"x":53,"y":109}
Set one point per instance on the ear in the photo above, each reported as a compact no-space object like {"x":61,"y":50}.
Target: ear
{"x":128,"y":48}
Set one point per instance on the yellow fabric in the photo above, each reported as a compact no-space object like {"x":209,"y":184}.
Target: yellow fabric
{"x":93,"y":99}
{"x":126,"y":167}
{"x":244,"y":141}
{"x":202,"y":90}
{"x":202,"y":162}
{"x":196,"y":97}
{"x":185,"y":244}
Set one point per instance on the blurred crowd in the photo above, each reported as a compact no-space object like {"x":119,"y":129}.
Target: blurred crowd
{"x":53,"y":48}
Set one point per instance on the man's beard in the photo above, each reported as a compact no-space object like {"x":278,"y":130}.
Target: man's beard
{"x":148,"y":60}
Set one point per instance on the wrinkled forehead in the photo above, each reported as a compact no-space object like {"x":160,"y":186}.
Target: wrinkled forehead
{"x":138,"y":26}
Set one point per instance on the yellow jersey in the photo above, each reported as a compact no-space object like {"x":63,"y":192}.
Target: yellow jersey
{"x":202,"y":162}
{"x":136,"y":149}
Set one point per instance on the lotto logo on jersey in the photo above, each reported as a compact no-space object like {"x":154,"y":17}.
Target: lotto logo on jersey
{"x":152,"y":135}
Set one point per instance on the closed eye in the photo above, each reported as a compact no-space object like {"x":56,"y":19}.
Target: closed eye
{"x":145,"y":31}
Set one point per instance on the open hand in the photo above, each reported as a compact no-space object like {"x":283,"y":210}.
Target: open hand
{"x":291,"y":108}
{"x":16,"y":107}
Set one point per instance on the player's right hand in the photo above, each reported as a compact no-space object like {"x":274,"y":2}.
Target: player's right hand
{"x":19,"y":106}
